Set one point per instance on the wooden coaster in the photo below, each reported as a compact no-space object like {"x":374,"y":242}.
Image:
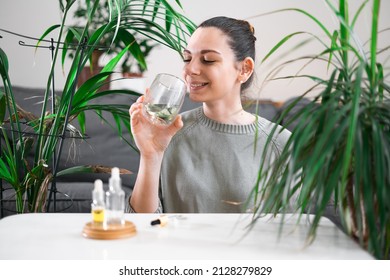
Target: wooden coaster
{"x":93,"y":231}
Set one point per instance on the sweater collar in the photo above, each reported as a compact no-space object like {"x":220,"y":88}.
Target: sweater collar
{"x":226,"y":128}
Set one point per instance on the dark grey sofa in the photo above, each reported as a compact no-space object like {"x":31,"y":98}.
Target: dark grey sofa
{"x":103,"y":147}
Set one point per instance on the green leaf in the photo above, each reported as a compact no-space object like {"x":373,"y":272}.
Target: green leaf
{"x":374,"y":39}
{"x":48,"y":31}
{"x":113,"y":62}
{"x":168,"y":20}
{"x":355,"y":18}
{"x":155,"y":8}
{"x":69,"y":4}
{"x":76,"y":170}
{"x":2,"y":106}
{"x":118,"y":123}
{"x":81,"y":118}
{"x":69,"y":41}
{"x":179,"y":4}
{"x":5,"y":174}
{"x":353,"y":125}
{"x":146,"y":4}
{"x":3,"y":64}
{"x":279,"y":44}
{"x":333,"y":46}
{"x":98,"y":34}
{"x":115,"y":91}
{"x":380,"y":81}
{"x":134,"y":48}
{"x":89,"y":87}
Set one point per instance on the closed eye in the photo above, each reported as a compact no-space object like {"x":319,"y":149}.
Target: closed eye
{"x":203,"y":60}
{"x":208,"y":61}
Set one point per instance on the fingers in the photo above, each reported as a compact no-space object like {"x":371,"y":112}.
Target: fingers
{"x":141,"y":99}
{"x":136,"y":105}
{"x":178,"y":122}
{"x":176,"y":125}
{"x":135,"y":110}
{"x":134,"y":113}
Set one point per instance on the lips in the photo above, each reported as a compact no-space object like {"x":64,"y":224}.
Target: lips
{"x":197,"y":85}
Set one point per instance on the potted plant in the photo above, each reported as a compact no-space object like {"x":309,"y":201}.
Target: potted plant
{"x":339,"y":153}
{"x":30,"y":179}
{"x":132,"y":64}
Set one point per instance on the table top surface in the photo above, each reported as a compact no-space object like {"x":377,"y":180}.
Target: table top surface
{"x":186,"y":236}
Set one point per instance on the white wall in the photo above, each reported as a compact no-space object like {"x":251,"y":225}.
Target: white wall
{"x":30,"y":18}
{"x":33,"y":17}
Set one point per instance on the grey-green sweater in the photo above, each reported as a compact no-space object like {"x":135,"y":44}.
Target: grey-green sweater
{"x":211,"y":167}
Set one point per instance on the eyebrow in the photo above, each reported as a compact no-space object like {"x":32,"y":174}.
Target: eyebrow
{"x":203,"y":51}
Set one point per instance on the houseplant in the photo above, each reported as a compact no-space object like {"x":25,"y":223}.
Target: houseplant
{"x":340,"y":151}
{"x":30,"y":179}
{"x":133,"y":63}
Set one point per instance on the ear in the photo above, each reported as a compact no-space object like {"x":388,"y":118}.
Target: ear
{"x":247,"y":68}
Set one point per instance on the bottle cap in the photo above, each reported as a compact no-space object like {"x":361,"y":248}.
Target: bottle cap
{"x":115,"y":181}
{"x":115,"y":172}
{"x":162,"y":221}
{"x":98,"y":193}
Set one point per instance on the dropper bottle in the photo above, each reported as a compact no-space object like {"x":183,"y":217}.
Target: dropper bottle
{"x":115,"y":199}
{"x":98,"y":205}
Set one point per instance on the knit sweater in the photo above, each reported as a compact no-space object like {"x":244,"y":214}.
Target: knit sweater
{"x":210,"y":167}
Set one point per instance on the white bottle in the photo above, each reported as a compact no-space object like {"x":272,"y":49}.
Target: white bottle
{"x":98,"y":205}
{"x":115,"y":199}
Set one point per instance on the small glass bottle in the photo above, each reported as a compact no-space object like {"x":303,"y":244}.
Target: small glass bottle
{"x":115,"y":199}
{"x":98,"y":205}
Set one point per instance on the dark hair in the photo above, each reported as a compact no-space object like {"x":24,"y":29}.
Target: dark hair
{"x":241,"y":38}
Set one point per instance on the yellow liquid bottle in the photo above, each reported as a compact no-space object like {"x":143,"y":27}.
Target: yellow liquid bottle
{"x":98,"y":207}
{"x":98,"y":215}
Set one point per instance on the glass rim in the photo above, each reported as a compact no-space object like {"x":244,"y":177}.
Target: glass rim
{"x":171,"y":75}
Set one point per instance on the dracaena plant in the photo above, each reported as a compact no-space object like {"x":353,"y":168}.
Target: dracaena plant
{"x":339,"y":153}
{"x":30,"y":180}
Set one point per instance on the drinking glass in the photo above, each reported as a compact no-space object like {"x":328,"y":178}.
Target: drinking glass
{"x":165,"y":97}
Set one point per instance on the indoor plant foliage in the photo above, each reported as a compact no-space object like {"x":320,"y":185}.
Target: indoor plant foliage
{"x":340,"y":153}
{"x":131,"y":62}
{"x":30,"y":180}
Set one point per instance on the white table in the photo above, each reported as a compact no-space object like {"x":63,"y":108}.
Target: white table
{"x":193,"y":236}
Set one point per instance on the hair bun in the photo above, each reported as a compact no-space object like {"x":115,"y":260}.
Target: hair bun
{"x":251,"y":28}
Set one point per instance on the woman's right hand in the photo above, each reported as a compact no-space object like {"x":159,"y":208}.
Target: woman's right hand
{"x":151,"y":139}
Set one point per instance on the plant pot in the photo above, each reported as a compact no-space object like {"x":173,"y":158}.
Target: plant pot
{"x":132,"y":75}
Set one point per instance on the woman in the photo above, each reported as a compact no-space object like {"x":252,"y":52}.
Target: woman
{"x":209,"y":158}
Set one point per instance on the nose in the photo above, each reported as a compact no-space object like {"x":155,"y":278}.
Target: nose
{"x":191,"y":68}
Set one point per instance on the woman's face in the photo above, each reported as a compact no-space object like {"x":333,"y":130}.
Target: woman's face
{"x":211,"y":70}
